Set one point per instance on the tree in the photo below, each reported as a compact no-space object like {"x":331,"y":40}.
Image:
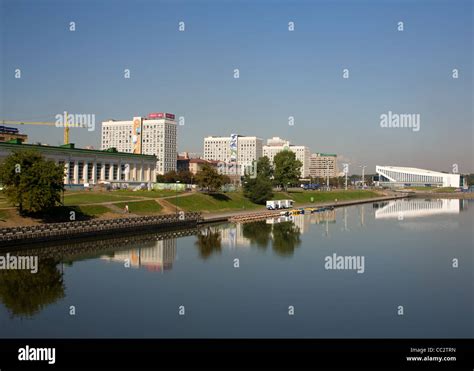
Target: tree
{"x":258,"y":189}
{"x":264,"y":167}
{"x":287,"y":168}
{"x":25,"y":294}
{"x":208,"y":242}
{"x":259,"y":233}
{"x":185,"y":176}
{"x":171,"y":177}
{"x":286,"y":238}
{"x":31,"y":182}
{"x":210,"y":179}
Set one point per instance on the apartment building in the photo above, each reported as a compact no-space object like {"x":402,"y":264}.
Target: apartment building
{"x":322,"y":165}
{"x":277,"y":144}
{"x":238,"y":149}
{"x":151,"y":135}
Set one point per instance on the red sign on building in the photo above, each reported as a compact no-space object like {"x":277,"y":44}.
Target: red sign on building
{"x":156,"y":115}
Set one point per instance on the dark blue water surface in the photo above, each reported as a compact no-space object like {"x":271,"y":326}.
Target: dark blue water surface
{"x":134,"y":286}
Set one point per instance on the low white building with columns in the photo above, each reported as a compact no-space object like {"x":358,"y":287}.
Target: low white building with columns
{"x":92,"y":166}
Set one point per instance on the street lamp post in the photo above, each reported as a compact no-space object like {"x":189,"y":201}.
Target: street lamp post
{"x":346,"y":171}
{"x":327,"y":175}
{"x":363,"y":177}
{"x":176,"y":196}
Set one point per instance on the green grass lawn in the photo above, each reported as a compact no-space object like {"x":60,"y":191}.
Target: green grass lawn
{"x":4,"y":215}
{"x":444,"y":190}
{"x":214,"y":202}
{"x":303,"y":197}
{"x":3,"y":200}
{"x":150,"y":194}
{"x":432,"y":189}
{"x":141,"y":207}
{"x":236,"y":201}
{"x":94,"y":210}
{"x":419,"y":188}
{"x":80,"y":198}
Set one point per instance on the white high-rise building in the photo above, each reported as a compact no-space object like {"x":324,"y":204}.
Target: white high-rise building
{"x":153,"y":135}
{"x":238,"y":149}
{"x":276,"y":145}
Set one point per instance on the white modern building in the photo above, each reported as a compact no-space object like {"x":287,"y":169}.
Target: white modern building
{"x":153,"y":135}
{"x":410,"y":176}
{"x":322,"y":165}
{"x":276,"y":145}
{"x":92,"y":166}
{"x":238,"y":149}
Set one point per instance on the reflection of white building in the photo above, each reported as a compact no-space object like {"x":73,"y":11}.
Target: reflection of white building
{"x":410,"y":176}
{"x":302,"y":222}
{"x":323,"y":216}
{"x":413,"y":208}
{"x":233,"y":236}
{"x":155,"y":258}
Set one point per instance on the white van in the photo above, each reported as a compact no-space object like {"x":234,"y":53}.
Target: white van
{"x":272,"y":205}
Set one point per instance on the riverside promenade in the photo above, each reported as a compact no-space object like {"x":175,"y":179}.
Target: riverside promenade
{"x":226,"y":216}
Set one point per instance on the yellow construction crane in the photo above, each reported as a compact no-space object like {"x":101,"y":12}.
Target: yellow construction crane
{"x":66,"y":126}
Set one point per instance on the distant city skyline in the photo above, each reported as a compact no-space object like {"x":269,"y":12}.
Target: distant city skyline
{"x":282,"y":73}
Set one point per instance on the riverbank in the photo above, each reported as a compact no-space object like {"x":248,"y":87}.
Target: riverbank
{"x":226,"y":216}
{"x":71,"y":230}
{"x":454,"y":195}
{"x":79,"y":229}
{"x":86,"y":205}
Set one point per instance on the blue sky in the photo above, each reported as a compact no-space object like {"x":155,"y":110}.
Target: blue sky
{"x":282,"y":73}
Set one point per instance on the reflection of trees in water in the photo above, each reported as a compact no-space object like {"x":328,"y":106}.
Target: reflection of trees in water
{"x":286,"y":237}
{"x":25,"y":293}
{"x":208,"y":242}
{"x":258,"y":233}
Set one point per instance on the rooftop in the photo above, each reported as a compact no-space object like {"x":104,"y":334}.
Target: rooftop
{"x":412,"y":169}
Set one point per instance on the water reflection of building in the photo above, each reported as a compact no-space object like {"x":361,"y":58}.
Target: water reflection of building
{"x":232,"y":236}
{"x":323,"y":216}
{"x":413,"y":208}
{"x":154,"y":255}
{"x":303,"y":221}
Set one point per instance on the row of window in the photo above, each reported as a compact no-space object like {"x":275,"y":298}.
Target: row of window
{"x":415,"y":178}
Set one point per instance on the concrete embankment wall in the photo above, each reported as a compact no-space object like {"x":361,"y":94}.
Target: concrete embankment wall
{"x":67,"y":230}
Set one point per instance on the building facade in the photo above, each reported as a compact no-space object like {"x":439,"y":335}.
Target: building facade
{"x":238,"y":149}
{"x":8,"y":133}
{"x":153,"y":135}
{"x":92,"y":166}
{"x":410,"y":176}
{"x":276,"y":145}
{"x":322,"y":165}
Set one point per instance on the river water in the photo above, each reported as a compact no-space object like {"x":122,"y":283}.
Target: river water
{"x":400,"y":268}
